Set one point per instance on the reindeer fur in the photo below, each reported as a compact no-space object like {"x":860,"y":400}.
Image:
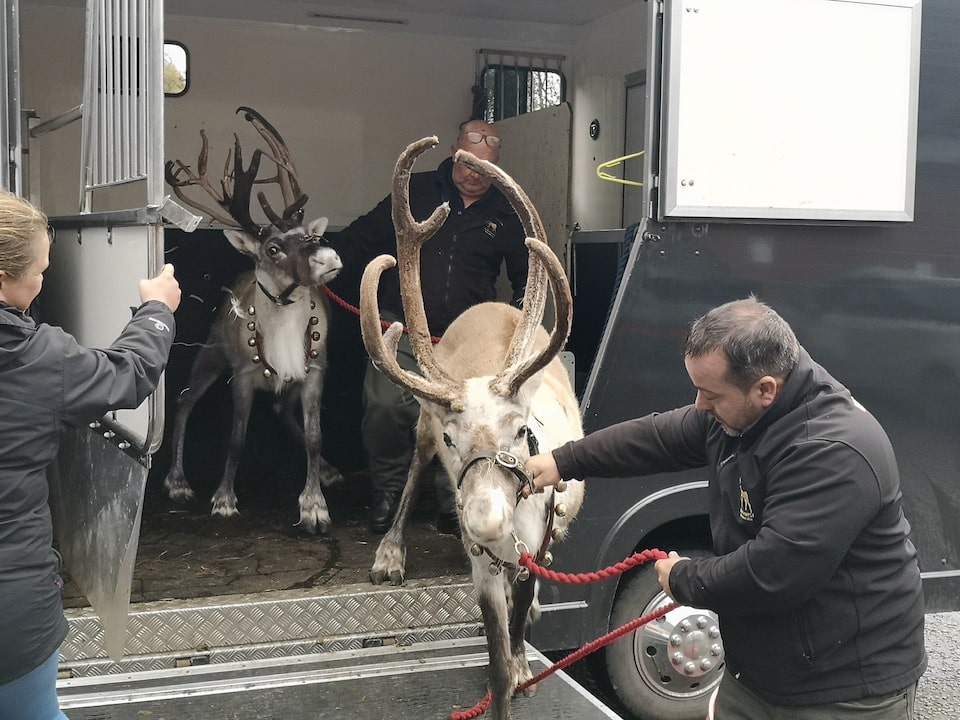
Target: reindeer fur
{"x":494,"y":373}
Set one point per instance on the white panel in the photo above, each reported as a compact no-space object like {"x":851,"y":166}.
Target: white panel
{"x":802,"y":109}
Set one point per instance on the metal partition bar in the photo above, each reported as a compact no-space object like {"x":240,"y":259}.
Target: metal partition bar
{"x":10,"y":139}
{"x":123,"y":97}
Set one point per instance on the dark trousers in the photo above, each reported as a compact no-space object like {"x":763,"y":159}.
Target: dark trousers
{"x":388,"y":428}
{"x":735,"y":702}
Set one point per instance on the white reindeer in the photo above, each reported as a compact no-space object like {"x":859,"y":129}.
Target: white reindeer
{"x":492,"y":393}
{"x":272,"y":333}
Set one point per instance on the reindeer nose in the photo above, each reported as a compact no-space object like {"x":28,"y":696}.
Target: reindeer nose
{"x":488,"y":518}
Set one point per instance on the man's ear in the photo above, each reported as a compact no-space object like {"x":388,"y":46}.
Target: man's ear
{"x":769,"y":388}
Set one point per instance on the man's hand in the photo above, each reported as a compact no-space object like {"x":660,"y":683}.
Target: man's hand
{"x":664,"y":567}
{"x":542,"y":469}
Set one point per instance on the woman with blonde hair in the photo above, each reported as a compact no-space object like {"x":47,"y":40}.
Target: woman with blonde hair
{"x":49,"y":383}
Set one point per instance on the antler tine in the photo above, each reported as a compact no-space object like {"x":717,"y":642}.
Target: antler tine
{"x":509,"y":381}
{"x":179,"y":175}
{"x":535,"y":293}
{"x":286,"y":177}
{"x":238,"y":204}
{"x":383,"y":346}
{"x":411,"y":235}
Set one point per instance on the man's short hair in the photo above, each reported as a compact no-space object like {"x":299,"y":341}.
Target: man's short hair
{"x":754,"y":338}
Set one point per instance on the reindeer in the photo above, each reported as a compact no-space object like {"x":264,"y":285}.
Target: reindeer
{"x":272,"y":333}
{"x":492,"y":393}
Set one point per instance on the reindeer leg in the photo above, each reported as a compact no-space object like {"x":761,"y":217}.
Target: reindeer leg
{"x":224,"y":500}
{"x":314,"y":515}
{"x":207,"y":367}
{"x":390,"y":560}
{"x":493,"y":609}
{"x":522,"y":594}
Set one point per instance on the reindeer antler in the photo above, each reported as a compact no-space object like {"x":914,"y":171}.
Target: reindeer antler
{"x":436,"y":385}
{"x":236,"y":185}
{"x":544,"y":265}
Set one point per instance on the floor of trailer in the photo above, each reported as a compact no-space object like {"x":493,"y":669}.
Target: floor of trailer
{"x":428,"y":680}
{"x":184,"y":553}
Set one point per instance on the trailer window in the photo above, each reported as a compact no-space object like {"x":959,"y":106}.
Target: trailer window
{"x":518,"y":83}
{"x":175,"y":69}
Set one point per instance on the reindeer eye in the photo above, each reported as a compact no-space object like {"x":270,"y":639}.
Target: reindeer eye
{"x":447,"y":440}
{"x":273,"y":251}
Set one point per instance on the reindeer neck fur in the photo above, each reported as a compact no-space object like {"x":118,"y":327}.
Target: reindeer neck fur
{"x":283,"y":330}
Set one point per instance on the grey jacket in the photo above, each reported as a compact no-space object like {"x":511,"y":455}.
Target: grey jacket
{"x":48,"y":382}
{"x":816,"y":582}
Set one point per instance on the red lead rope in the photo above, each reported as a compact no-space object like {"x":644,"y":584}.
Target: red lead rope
{"x":527,"y":561}
{"x":356,"y":311}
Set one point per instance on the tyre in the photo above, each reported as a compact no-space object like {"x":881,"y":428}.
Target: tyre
{"x":666,"y":669}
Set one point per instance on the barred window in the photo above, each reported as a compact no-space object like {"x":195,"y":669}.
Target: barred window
{"x":517,"y":83}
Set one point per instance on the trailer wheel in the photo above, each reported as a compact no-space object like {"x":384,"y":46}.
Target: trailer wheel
{"x":666,"y":669}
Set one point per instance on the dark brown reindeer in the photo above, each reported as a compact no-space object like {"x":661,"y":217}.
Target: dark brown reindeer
{"x":271,"y":334}
{"x":492,"y":393}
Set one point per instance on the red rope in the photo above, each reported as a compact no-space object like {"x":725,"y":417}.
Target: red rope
{"x":527,"y":561}
{"x":356,"y":311}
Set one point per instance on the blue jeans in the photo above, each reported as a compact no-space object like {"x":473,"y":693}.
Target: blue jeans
{"x":33,"y":696}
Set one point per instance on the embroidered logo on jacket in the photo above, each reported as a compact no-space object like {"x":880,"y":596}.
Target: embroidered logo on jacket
{"x":160,"y":325}
{"x":746,"y":509}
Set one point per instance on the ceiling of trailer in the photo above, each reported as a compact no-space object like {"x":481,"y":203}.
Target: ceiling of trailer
{"x":560,"y":12}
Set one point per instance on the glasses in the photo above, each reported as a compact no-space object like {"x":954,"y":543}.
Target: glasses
{"x":478,"y":137}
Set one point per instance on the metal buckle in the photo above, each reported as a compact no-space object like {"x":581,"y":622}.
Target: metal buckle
{"x":507,"y":460}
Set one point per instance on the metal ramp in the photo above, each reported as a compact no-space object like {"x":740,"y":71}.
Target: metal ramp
{"x":418,"y":682}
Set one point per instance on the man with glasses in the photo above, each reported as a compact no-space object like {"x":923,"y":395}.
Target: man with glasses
{"x":459,"y":267}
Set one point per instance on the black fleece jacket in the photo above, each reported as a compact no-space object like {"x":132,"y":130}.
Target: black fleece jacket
{"x":816,"y":582}
{"x":459,"y":265}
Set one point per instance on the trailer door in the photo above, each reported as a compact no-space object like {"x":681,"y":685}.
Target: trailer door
{"x":98,"y":256}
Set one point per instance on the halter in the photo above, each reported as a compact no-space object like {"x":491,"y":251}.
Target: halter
{"x":511,"y":463}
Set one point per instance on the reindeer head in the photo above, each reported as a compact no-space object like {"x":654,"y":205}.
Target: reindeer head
{"x":479,"y":387}
{"x":286,"y":253}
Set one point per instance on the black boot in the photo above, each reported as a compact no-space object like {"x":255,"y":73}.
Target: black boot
{"x":382,"y":510}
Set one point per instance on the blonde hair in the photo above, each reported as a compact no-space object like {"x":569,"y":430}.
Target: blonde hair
{"x":20,"y":225}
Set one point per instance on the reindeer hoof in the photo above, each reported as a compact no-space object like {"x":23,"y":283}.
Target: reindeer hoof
{"x":177,"y":488}
{"x":389,"y":563}
{"x":224,"y":506}
{"x":315,"y":523}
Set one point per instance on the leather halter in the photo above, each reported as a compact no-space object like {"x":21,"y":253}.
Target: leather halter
{"x":511,"y":463}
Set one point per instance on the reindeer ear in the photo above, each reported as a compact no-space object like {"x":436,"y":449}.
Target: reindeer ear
{"x":243,"y":242}
{"x":318,"y":227}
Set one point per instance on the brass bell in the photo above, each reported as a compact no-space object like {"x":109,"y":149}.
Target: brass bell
{"x":547,"y":559}
{"x":556,"y":534}
{"x":495,"y":569}
{"x":562,"y":486}
{"x":252,"y":342}
{"x":255,"y":359}
{"x":314,"y":353}
{"x":251,"y":310}
{"x":523,"y":574}
{"x":315,"y":336}
{"x":313,"y":304}
{"x":476,"y":550}
{"x":314,"y":320}
{"x":267,"y":373}
{"x":560,"y":510}
{"x":251,"y":326}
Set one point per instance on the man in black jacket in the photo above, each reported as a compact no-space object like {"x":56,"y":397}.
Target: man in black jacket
{"x":459,"y":267}
{"x":816,"y":583}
